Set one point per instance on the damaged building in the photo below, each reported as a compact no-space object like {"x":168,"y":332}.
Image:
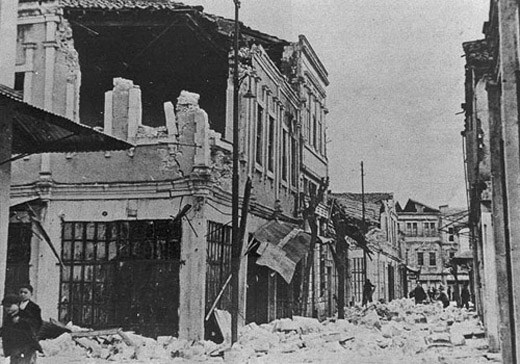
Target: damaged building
{"x":374,"y":244}
{"x":142,"y":238}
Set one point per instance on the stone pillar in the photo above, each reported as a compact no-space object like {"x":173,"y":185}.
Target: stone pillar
{"x":29,"y":64}
{"x":50,"y":46}
{"x":193,"y":130}
{"x":171,"y":121}
{"x":123,"y":110}
{"x":490,"y":280}
{"x":6,"y":133}
{"x":192,"y":276}
{"x":509,"y":65}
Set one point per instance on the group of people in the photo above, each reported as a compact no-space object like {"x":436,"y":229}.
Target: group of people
{"x":434,"y":294}
{"x":21,"y":324}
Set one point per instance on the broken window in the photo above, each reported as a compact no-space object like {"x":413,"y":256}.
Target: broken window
{"x":218,"y":264}
{"x":259,"y":132}
{"x":18,"y":256}
{"x":122,"y":273}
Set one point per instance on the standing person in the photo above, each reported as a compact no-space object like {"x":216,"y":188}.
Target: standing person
{"x":419,"y":294}
{"x":443,"y":297}
{"x":28,"y":308}
{"x":18,"y":333}
{"x":431,"y":294}
{"x":465,"y":296}
{"x":368,"y":290}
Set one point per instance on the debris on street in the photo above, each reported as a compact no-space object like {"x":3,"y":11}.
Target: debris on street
{"x":379,"y":333}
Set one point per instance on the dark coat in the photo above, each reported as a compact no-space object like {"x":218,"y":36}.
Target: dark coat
{"x":32,"y":312}
{"x":419,"y":294}
{"x":465,"y":295}
{"x":21,"y":334}
{"x":443,"y":297}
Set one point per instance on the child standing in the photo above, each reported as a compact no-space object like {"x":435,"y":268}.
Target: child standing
{"x":18,"y":333}
{"x":29,"y":309}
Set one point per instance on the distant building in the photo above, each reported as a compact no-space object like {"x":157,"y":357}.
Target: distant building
{"x":432,"y":237}
{"x":455,"y":237}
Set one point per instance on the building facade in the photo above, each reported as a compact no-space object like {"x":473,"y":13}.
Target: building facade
{"x":141,"y":238}
{"x":491,"y":153}
{"x":384,"y":263}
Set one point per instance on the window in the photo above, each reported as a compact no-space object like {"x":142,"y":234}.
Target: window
{"x":314,"y":132}
{"x":294,"y":164}
{"x":218,"y":264}
{"x":284,"y":155}
{"x":103,"y":261}
{"x":420,"y":258}
{"x":19,"y":79}
{"x":433,"y":229}
{"x":426,"y":229}
{"x":320,"y":138}
{"x":451,"y":237}
{"x":414,"y":229}
{"x":270,"y":145}
{"x":409,"y":229}
{"x":259,"y":131}
{"x":433,"y":260}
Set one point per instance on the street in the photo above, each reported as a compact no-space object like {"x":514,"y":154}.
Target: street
{"x":380,"y":333}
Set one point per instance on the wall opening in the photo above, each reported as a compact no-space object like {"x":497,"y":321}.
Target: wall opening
{"x":123,"y":274}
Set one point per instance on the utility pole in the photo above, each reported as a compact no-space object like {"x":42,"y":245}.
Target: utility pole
{"x":236,"y":246}
{"x":363,"y":218}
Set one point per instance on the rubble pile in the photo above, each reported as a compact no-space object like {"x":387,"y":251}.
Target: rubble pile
{"x":385,"y":333}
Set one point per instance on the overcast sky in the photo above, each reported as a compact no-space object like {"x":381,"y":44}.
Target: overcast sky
{"x":396,"y":82}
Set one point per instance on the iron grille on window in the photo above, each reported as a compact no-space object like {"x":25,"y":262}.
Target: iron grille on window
{"x":358,"y":269}
{"x":218,"y":264}
{"x":94,"y":256}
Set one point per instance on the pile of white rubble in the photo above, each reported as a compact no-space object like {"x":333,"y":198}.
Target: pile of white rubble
{"x":397,"y":332}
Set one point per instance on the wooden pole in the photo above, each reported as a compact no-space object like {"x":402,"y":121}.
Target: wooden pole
{"x":236,"y":248}
{"x":363,"y":219}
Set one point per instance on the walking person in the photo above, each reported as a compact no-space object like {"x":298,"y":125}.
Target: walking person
{"x":18,"y":333}
{"x":443,"y":297}
{"x":465,"y":296}
{"x":368,"y":290}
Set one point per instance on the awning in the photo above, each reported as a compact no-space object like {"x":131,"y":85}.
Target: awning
{"x":38,"y":131}
{"x":463,"y":257}
{"x":281,"y":247}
